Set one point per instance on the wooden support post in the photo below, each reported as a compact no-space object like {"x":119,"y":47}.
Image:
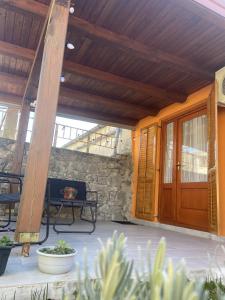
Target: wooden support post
{"x":32,"y":198}
{"x":10,"y":124}
{"x":21,"y":137}
{"x":25,"y":108}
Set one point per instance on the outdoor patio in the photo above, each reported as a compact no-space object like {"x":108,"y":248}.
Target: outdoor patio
{"x":22,"y":273}
{"x":146,"y":74}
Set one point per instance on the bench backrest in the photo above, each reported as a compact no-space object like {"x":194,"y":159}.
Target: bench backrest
{"x":57,"y":186}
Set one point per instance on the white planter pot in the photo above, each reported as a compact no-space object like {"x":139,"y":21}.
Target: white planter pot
{"x":55,"y":264}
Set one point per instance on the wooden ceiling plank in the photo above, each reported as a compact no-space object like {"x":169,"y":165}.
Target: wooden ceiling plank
{"x":138,"y":49}
{"x":120,"y":41}
{"x":96,"y":116}
{"x":73,"y":112}
{"x":111,"y":103}
{"x":13,"y":79}
{"x":75,"y":68}
{"x":10,"y":99}
{"x":16,"y":51}
{"x":211,"y":11}
{"x":138,"y":86}
{"x":85,"y":97}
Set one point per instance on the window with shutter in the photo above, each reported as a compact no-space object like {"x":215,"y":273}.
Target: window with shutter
{"x":145,"y":205}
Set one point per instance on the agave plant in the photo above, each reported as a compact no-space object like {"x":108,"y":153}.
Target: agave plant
{"x":116,"y":278}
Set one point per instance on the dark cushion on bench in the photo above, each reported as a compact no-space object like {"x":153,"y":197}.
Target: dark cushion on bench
{"x":57,"y":186}
{"x":9,"y":198}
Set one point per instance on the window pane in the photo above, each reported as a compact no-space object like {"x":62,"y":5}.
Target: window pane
{"x":168,"y":162}
{"x":194,"y":156}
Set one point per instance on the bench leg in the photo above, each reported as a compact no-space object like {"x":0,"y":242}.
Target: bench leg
{"x":60,"y":223}
{"x":93,"y":211}
{"x":8,"y":222}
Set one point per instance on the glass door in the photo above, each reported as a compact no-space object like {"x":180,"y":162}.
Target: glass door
{"x":184,"y":184}
{"x":192,"y":171}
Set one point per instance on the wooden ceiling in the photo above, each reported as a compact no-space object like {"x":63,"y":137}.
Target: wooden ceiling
{"x":131,"y":58}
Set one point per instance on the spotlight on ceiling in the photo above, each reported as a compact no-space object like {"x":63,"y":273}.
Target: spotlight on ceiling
{"x":33,"y":104}
{"x":62,"y":78}
{"x":70,"y":46}
{"x":72,"y":10}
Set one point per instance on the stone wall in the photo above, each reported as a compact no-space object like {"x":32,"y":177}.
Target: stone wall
{"x":110,"y":177}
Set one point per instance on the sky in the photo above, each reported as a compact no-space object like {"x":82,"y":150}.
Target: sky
{"x":65,"y":131}
{"x":62,"y":121}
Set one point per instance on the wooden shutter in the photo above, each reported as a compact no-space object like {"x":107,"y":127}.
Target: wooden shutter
{"x":212,"y":168}
{"x":145,"y":198}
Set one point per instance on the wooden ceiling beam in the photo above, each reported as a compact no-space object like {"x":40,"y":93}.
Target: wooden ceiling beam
{"x":13,"y":79}
{"x":91,"y":115}
{"x":117,"y":40}
{"x":10,"y":99}
{"x":95,"y":116}
{"x":87,"y":98}
{"x":138,"y":49}
{"x":137,"y":86}
{"x":81,"y":70}
{"x":66,"y":93}
{"x":16,"y":51}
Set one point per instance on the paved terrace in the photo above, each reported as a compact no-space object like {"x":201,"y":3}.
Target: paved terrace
{"x":22,"y":272}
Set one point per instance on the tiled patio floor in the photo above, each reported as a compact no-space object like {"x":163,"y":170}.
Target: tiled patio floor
{"x":22,"y":271}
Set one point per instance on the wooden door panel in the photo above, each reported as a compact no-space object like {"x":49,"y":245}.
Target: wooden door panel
{"x":192,"y":208}
{"x":184,"y":201}
{"x":195,"y":199}
{"x":197,"y":220}
{"x":167,"y":205}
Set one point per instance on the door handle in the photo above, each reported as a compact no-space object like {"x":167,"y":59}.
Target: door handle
{"x":178,"y":165}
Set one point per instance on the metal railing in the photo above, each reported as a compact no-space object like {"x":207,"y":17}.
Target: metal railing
{"x":66,"y":136}
{"x":102,"y":140}
{"x":2,"y":118}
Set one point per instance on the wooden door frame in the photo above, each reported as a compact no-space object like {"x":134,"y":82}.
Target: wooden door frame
{"x":173,"y":118}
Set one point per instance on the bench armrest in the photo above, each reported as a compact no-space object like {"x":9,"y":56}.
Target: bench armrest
{"x":11,"y":175}
{"x":95,"y":193}
{"x":4,"y":178}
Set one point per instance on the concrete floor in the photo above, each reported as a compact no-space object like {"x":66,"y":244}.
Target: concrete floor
{"x":22,"y":271}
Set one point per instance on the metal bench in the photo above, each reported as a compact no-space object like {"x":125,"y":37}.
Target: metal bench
{"x":56,"y":198}
{"x":10,"y":199}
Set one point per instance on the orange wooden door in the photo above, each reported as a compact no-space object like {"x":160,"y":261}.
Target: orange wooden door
{"x":184,"y":193}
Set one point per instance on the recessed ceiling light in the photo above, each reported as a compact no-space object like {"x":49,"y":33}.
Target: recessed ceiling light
{"x":34,"y":103}
{"x":62,"y":78}
{"x":72,"y":9}
{"x":70,"y":46}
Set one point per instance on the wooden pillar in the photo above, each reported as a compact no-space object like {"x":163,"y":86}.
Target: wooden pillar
{"x":10,"y":125}
{"x":21,"y":137}
{"x":36,"y":173}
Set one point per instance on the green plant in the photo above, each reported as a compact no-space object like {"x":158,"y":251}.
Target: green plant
{"x":61,"y":248}
{"x":215,"y":288}
{"x":5,"y":241}
{"x":116,"y":278}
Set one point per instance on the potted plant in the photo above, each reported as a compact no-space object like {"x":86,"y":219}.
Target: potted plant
{"x":5,"y":248}
{"x":57,"y":259}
